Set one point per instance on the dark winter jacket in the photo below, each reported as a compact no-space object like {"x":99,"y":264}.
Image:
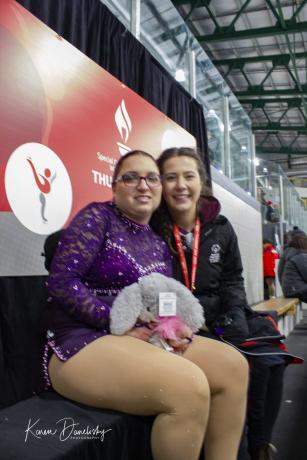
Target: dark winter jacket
{"x":292,"y":272}
{"x":219,"y":281}
{"x":220,"y":290}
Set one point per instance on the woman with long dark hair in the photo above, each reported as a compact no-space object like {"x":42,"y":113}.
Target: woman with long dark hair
{"x":207,"y":260}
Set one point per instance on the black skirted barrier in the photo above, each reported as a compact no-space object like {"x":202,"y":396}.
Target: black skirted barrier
{"x":43,"y":424}
{"x":51,"y":428}
{"x":22,"y":336}
{"x":89,"y":26}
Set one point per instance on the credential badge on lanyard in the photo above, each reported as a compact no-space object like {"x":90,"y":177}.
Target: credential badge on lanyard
{"x":167,"y":304}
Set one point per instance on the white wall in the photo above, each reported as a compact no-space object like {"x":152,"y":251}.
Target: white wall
{"x":246,"y":221}
{"x":302,"y":191}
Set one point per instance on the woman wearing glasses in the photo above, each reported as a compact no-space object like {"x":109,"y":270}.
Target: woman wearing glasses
{"x":107,"y":247}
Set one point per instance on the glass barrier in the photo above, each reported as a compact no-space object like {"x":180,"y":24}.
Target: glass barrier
{"x":240,"y":147}
{"x":280,"y":202}
{"x":216,"y":138}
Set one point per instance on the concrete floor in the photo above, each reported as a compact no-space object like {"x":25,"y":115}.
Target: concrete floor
{"x":290,"y":433}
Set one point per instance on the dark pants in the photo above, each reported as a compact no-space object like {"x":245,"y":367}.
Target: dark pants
{"x":302,"y":296}
{"x":265,"y":395}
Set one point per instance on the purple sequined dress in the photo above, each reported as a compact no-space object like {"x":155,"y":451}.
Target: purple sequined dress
{"x":102,"y":251}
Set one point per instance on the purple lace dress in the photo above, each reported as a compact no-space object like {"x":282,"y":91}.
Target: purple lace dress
{"x":102,"y":251}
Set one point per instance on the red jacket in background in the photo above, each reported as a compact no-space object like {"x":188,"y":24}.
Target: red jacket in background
{"x":269,"y":256}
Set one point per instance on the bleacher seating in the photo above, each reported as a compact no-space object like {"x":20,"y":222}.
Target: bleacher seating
{"x":289,"y":312}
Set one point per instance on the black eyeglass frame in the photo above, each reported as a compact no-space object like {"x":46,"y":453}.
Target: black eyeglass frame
{"x":139,"y":178}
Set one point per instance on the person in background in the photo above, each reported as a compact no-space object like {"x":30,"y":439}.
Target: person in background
{"x":269,"y":211}
{"x":272,"y":212}
{"x":269,"y":256}
{"x":262,"y":200}
{"x":207,"y":260}
{"x":289,"y":235}
{"x":109,"y":246}
{"x":292,"y":268}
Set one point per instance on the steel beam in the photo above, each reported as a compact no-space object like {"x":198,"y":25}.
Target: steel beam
{"x":295,"y":139}
{"x":224,"y":34}
{"x":253,"y":166}
{"x":135,"y":18}
{"x":259,"y":91}
{"x":297,"y":77}
{"x":280,"y":151}
{"x":212,"y":16}
{"x":259,"y":103}
{"x":193,"y":3}
{"x":276,"y":127}
{"x":277,"y":59}
{"x":192,"y":73}
{"x":238,"y":14}
{"x":264,"y":140}
{"x":268,"y":2}
{"x":298,"y":10}
{"x":282,"y":210}
{"x":227,"y":160}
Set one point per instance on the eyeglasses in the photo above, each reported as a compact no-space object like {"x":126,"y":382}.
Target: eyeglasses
{"x":153,"y":180}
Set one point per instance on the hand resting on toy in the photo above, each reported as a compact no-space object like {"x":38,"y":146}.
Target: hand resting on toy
{"x":135,"y":312}
{"x":142,"y":332}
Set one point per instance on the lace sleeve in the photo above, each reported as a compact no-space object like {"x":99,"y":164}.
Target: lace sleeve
{"x":73,"y":258}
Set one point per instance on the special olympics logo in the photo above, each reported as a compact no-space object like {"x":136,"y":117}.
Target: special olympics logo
{"x":124,"y":126}
{"x":38,"y":188}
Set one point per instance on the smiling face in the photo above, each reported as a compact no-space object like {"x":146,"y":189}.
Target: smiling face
{"x":138,"y":202}
{"x":181,"y":187}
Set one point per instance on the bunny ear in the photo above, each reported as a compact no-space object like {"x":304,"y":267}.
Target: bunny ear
{"x":125,"y":309}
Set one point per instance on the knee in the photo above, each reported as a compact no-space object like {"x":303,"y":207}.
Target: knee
{"x":197,"y":388}
{"x":192,"y":393}
{"x":237,"y":369}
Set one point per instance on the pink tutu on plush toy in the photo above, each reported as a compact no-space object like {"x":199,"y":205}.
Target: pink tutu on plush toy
{"x":170,"y":327}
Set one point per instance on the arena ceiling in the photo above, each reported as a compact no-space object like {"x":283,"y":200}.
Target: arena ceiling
{"x":260,"y":48}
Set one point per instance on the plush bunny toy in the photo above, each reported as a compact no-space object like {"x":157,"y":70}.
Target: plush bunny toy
{"x":140,"y":302}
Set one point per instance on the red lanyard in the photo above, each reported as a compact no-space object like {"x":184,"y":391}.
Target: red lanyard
{"x":195,"y":253}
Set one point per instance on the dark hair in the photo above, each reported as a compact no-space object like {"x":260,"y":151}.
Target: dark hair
{"x":191,"y":153}
{"x":161,"y":220}
{"x":124,"y":158}
{"x":299,"y":242}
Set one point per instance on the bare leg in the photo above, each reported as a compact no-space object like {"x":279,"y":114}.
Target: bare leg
{"x":227,"y":373}
{"x":129,"y":375}
{"x":271,"y":286}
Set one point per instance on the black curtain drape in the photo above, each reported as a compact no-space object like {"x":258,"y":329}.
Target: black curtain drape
{"x":88,"y":25}
{"x":22,"y":337}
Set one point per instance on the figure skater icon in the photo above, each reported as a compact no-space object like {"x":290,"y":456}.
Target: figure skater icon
{"x":43,"y":181}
